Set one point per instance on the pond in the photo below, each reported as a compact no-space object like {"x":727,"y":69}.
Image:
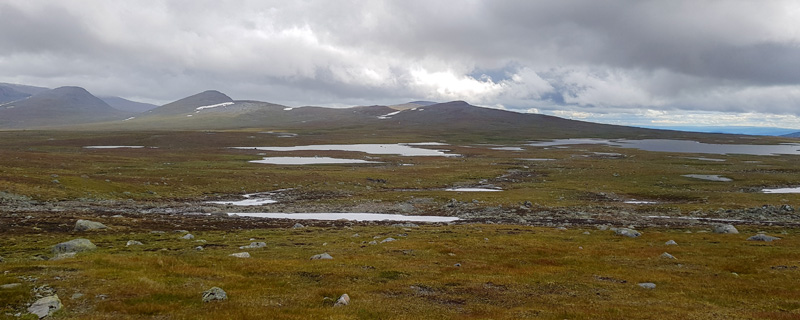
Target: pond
{"x":344,"y":216}
{"x":782,"y":190}
{"x":403,"y":149}
{"x":309,"y":160}
{"x":682,"y":146}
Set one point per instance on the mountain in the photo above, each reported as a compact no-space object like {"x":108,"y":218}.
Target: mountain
{"x":753,"y":131}
{"x":57,"y":107}
{"x":412,"y":105}
{"x":127,"y":105}
{"x":191,"y":104}
{"x":792,"y":135}
{"x":12,"y":92}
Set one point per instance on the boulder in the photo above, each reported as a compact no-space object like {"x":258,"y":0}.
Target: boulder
{"x":133,"y":243}
{"x":46,"y":306}
{"x":241,"y":255}
{"x":667,"y":256}
{"x":762,"y":237}
{"x":254,"y":245}
{"x":724,"y":228}
{"x":77,"y":245}
{"x":215,"y":293}
{"x":671,"y":243}
{"x":87,"y":225}
{"x":322,"y":256}
{"x":630,"y":233}
{"x":342,"y":301}
{"x":298,"y":226}
{"x":388,"y":240}
{"x":647,"y":285}
{"x":188,"y":236}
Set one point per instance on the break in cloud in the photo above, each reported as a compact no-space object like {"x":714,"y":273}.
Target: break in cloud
{"x":631,"y":61}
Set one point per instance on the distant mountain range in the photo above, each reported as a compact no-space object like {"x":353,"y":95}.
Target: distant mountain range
{"x":753,"y":131}
{"x":28,"y":107}
{"x":792,"y":135}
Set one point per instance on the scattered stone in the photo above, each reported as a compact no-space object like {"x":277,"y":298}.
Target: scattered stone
{"x":671,"y":243}
{"x":724,"y":228}
{"x":561,"y":228}
{"x":342,"y":301}
{"x":188,"y":236}
{"x":254,"y":245}
{"x":181,"y":231}
{"x":157,"y":232}
{"x":587,"y":233}
{"x":62,"y":256}
{"x":457,"y":265}
{"x":199,"y":248}
{"x":77,"y":245}
{"x":667,"y":256}
{"x":388,"y":240}
{"x":647,"y":285}
{"x":101,"y":296}
{"x":46,"y":306}
{"x":77,"y":296}
{"x":762,"y":237}
{"x":405,"y":225}
{"x":373,"y":242}
{"x":298,"y":226}
{"x":87,"y":225}
{"x":355,"y":235}
{"x":630,"y":233}
{"x":241,"y":255}
{"x":133,"y":243}
{"x":214,"y":293}
{"x":10,"y":285}
{"x":322,"y":256}
{"x":1,"y":259}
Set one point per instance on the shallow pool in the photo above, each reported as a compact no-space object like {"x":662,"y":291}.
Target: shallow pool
{"x":344,"y":216}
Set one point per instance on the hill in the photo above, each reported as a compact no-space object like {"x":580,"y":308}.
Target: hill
{"x":792,"y":135}
{"x":12,"y":92}
{"x":57,"y":107}
{"x":127,"y":105}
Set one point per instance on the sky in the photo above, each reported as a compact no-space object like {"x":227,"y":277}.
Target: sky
{"x":676,"y":62}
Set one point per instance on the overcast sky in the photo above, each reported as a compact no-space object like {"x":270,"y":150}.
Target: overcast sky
{"x":632,"y":62}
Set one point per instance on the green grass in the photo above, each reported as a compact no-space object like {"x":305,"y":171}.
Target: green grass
{"x":506,"y":272}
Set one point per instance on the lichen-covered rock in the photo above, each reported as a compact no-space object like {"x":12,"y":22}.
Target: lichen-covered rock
{"x":46,"y":306}
{"x":647,"y":285}
{"x":725,"y":228}
{"x":254,"y":245}
{"x":241,"y":255}
{"x":77,"y":245}
{"x":322,"y":256}
{"x":762,"y":237}
{"x":215,"y":293}
{"x":630,"y":233}
{"x":87,"y":225}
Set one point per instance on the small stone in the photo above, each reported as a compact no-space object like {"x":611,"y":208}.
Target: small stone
{"x":1,"y":259}
{"x":322,"y":256}
{"x":10,"y":285}
{"x":667,"y":256}
{"x":355,"y":235}
{"x":199,"y":248}
{"x":76,"y":296}
{"x":405,"y":225}
{"x":133,"y":243}
{"x":241,"y":255}
{"x":671,"y":243}
{"x":647,"y":285}
{"x":181,"y":231}
{"x":587,"y":233}
{"x":298,"y":226}
{"x":630,"y":233}
{"x":86,"y":225}
{"x":561,"y":228}
{"x":762,"y":237}
{"x":373,"y":242}
{"x":342,"y":301}
{"x":188,"y":236}
{"x":214,"y":293}
{"x":457,"y":265}
{"x":388,"y":240}
{"x":76,"y":245}
{"x":46,"y":306}
{"x":724,"y":228}
{"x":254,"y":245}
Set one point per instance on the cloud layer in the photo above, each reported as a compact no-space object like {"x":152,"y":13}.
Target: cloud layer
{"x":580,"y":57}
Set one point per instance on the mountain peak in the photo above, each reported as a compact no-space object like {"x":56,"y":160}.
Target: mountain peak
{"x":191,"y":103}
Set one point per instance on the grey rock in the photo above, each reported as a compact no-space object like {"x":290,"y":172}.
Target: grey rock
{"x":188,"y":236}
{"x":667,"y":256}
{"x":87,"y":225}
{"x":254,"y":245}
{"x":133,"y":243}
{"x":215,"y":293}
{"x":724,"y":228}
{"x":342,"y":301}
{"x":647,"y":285}
{"x":77,"y":245}
{"x":671,"y":243}
{"x":46,"y":306}
{"x":62,"y":256}
{"x":322,"y":256}
{"x":406,"y":225}
{"x":10,"y":285}
{"x":298,"y":226}
{"x":199,"y":248}
{"x":355,"y":235}
{"x":630,"y":233}
{"x":241,"y":255}
{"x":762,"y":237}
{"x":77,"y":296}
{"x":2,"y":260}
{"x":457,"y":265}
{"x":373,"y":242}
{"x":388,"y":240}
{"x":587,"y":233}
